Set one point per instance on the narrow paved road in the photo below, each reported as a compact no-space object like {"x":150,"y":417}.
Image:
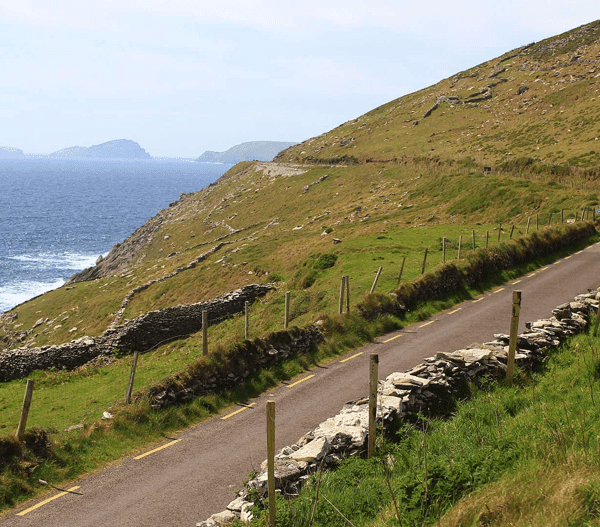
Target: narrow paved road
{"x":191,"y":479}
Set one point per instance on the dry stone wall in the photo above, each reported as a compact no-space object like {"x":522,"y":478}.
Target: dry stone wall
{"x":140,"y":334}
{"x":429,"y":388}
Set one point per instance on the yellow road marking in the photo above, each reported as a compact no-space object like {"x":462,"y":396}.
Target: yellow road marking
{"x":157,"y":449}
{"x":427,"y":323}
{"x":543,"y":268}
{"x":237,"y":411}
{"x":516,"y":282}
{"x":353,"y":356}
{"x":579,"y":252}
{"x":532,"y":274}
{"x":455,"y":311}
{"x":567,"y":257}
{"x":498,"y":290}
{"x":478,"y":300}
{"x":392,"y":338}
{"x":301,"y":380}
{"x":42,"y":503}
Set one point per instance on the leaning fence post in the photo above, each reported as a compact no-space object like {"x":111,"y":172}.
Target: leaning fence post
{"x":375,"y":281}
{"x":424,"y":261}
{"x":287,"y":310}
{"x":528,"y":222}
{"x":459,"y":246}
{"x":25,"y":409}
{"x":131,"y":377}
{"x":373,"y":374}
{"x":271,"y":460}
{"x":204,"y":332}
{"x":499,"y":231}
{"x":246,"y":319}
{"x":512,"y":230}
{"x":401,"y":270}
{"x":473,"y":233}
{"x":514,"y":327}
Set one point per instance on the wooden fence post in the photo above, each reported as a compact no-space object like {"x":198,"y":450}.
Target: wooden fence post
{"x":204,"y":332}
{"x":562,"y":215}
{"x":596,"y":323}
{"x":401,"y":270}
{"x":459,"y":246}
{"x":473,"y":233}
{"x":512,"y":230}
{"x":246,"y":320}
{"x":131,"y":377}
{"x":549,"y":219}
{"x":271,"y":460}
{"x":287,"y":310}
{"x":487,"y":238}
{"x":375,"y":281}
{"x":514,"y":327}
{"x":342,"y":288}
{"x":373,"y":374}
{"x":443,"y":249}
{"x":347,"y":293}
{"x":537,"y":221}
{"x":528,"y":222}
{"x":424,"y":260}
{"x":499,"y":231}
{"x":25,"y":409}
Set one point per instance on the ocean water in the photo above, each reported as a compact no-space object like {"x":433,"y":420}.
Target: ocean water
{"x":57,"y":216}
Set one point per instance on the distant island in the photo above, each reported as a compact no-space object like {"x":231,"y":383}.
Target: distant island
{"x":117,"y":149}
{"x":251,"y":151}
{"x":10,"y":152}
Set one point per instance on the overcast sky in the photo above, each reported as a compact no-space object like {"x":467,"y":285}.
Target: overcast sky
{"x":181,"y":77}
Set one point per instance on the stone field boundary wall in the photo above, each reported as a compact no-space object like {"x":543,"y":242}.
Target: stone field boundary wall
{"x":430,"y":388}
{"x":141,"y":333}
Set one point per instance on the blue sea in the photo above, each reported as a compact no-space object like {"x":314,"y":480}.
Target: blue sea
{"x":57,"y":216}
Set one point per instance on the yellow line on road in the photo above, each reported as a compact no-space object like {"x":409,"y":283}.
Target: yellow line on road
{"x":478,"y":300}
{"x":392,"y":338}
{"x":516,"y":282}
{"x":532,"y":274}
{"x":42,"y":503}
{"x":353,"y":356}
{"x":579,"y":252}
{"x":237,"y":411}
{"x":498,"y":290}
{"x":427,"y":323}
{"x":455,"y":311}
{"x":301,"y":380}
{"x":157,"y":449}
{"x":567,"y":257}
{"x":543,"y":268}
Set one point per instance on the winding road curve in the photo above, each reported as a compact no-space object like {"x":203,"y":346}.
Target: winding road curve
{"x":189,"y":479}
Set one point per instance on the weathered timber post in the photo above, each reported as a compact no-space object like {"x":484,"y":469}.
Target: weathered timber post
{"x":473,"y":234}
{"x":246,"y":320}
{"x":459,"y":246}
{"x":25,"y":409}
{"x":401,"y":270}
{"x":348,"y":294}
{"x":596,"y":323}
{"x":537,"y":221}
{"x":204,"y":332}
{"x":271,"y":459}
{"x":512,"y":230}
{"x":131,"y":377}
{"x":342,"y":288}
{"x":499,"y":231}
{"x":528,"y":222}
{"x":424,"y":261}
{"x":562,"y":215}
{"x":373,"y":374}
{"x":287,"y":310}
{"x":443,"y":249}
{"x":514,"y":327}
{"x":376,"y":280}
{"x":549,"y":219}
{"x":582,"y":214}
{"x":487,"y":239}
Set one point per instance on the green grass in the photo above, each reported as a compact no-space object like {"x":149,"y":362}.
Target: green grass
{"x":525,"y":455}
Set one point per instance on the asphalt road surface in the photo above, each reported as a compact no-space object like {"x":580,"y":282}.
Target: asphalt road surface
{"x":189,"y":479}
